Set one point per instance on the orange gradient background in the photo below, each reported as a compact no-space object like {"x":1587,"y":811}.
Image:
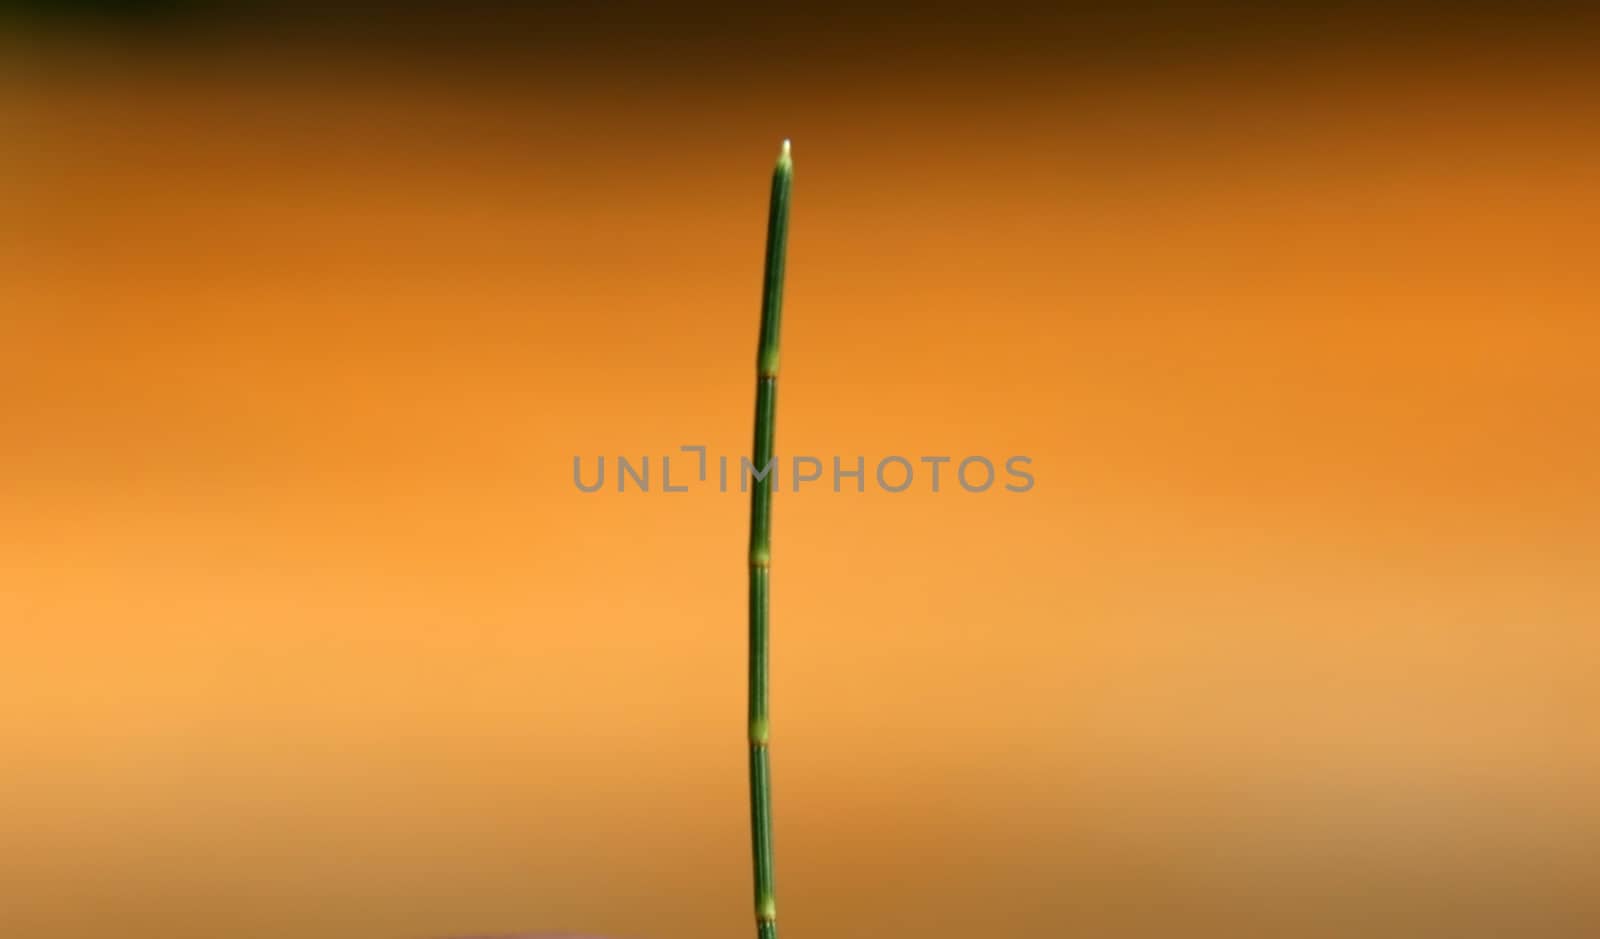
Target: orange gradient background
{"x":308,"y":632}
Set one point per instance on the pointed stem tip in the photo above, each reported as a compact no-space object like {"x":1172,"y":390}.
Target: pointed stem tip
{"x":783,"y":155}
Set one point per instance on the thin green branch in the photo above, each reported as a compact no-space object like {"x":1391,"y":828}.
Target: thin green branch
{"x":761,"y":545}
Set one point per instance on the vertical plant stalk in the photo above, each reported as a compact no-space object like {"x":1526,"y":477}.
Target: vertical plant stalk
{"x":761,"y":545}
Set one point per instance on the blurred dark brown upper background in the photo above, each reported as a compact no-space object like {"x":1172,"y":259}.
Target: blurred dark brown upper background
{"x":306,"y":309}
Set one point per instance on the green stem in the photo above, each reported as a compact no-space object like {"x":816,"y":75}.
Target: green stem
{"x":761,"y":544}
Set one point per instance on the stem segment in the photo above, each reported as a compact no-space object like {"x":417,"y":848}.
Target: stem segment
{"x":761,"y":544}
